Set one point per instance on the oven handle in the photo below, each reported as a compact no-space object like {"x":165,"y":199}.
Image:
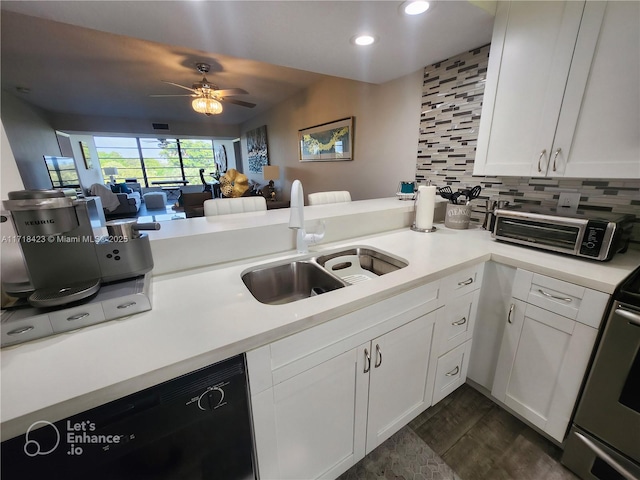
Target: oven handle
{"x":606,"y":457}
{"x":633,"y":318}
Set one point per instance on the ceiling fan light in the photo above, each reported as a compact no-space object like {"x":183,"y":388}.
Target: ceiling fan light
{"x":208,"y":106}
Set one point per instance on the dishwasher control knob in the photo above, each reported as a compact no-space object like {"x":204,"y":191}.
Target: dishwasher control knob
{"x":212,"y":398}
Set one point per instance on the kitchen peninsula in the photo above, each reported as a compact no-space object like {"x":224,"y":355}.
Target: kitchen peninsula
{"x":203,"y":313}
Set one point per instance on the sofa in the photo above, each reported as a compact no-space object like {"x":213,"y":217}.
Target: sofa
{"x":116,"y":205}
{"x":129,"y":205}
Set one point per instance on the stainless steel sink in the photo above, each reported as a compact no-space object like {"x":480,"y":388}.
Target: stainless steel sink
{"x":292,"y":280}
{"x":373,"y":261}
{"x":288,"y":282}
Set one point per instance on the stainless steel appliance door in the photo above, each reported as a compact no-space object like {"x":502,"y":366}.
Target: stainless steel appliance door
{"x":610,"y":405}
{"x":553,"y":236}
{"x":593,"y":460}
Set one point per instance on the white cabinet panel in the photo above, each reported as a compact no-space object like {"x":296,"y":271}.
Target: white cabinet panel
{"x":530,"y":57}
{"x":562,"y":96}
{"x":543,"y":358}
{"x":316,"y":414}
{"x":572,"y":301}
{"x":398,"y":389}
{"x":598,"y":130}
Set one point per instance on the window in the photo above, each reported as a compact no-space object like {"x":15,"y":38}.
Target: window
{"x":62,"y":172}
{"x":152,"y":160}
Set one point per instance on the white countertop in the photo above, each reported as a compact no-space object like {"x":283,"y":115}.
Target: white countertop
{"x":203,"y":315}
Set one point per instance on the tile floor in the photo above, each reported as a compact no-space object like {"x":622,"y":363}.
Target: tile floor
{"x":464,"y":437}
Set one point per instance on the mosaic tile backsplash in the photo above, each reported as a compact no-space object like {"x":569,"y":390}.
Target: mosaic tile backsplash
{"x":451,"y":105}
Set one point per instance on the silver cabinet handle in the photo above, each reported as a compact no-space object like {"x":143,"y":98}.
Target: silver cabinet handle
{"x":20,"y":331}
{"x":542,"y":154}
{"x":77,"y":317}
{"x":606,"y":457}
{"x":468,"y":281}
{"x":462,"y":321}
{"x":564,"y":299}
{"x":378,"y":356}
{"x":453,"y":372}
{"x":126,"y":305}
{"x":367,"y":361}
{"x":510,"y":312}
{"x":555,"y":157}
{"x":633,"y":318}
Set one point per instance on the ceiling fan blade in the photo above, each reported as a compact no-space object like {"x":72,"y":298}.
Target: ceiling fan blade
{"x":238,"y":102}
{"x":185,"y":95}
{"x":180,"y":86}
{"x":230,"y":91}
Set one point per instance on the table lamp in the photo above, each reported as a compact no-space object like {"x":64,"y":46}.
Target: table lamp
{"x":112,"y":172}
{"x":271,"y":173}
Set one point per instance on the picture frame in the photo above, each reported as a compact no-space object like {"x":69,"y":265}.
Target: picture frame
{"x":86,"y":155}
{"x":257,"y":149}
{"x":328,"y":142}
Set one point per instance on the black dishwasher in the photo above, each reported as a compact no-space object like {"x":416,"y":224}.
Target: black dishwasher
{"x":197,"y":426}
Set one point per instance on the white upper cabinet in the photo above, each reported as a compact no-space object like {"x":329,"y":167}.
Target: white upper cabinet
{"x":562,"y":95}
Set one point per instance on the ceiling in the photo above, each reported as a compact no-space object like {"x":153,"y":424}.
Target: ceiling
{"x":104,"y":58}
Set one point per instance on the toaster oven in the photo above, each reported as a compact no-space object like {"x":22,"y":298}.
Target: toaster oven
{"x":595,"y":236}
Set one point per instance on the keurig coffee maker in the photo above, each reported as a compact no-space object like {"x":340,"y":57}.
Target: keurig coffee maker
{"x":66,"y":261}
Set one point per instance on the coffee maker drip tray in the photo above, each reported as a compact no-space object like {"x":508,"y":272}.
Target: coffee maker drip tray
{"x":55,"y":297}
{"x":112,"y":300}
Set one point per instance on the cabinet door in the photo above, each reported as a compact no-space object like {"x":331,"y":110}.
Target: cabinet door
{"x":531,"y":51}
{"x":398,"y":388}
{"x":318,"y":420}
{"x":543,"y":358}
{"x":598,"y":128}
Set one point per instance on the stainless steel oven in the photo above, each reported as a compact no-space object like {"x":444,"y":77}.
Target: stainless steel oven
{"x":604,"y":442}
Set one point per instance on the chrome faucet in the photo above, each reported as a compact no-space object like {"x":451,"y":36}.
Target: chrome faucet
{"x":296,"y":220}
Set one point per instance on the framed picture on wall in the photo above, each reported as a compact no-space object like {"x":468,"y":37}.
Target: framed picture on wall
{"x":329,"y":142}
{"x":86,"y":155}
{"x":257,"y":153}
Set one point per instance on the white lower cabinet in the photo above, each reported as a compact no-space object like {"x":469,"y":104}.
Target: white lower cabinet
{"x":316,"y":415}
{"x":398,"y":385}
{"x":325,"y":397}
{"x":543,"y":355}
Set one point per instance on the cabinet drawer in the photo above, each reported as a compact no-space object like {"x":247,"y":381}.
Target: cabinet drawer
{"x":567,"y":299}
{"x":451,"y":371}
{"x":73,"y":318}
{"x":457,"y":321}
{"x":462,"y":282}
{"x":17,"y":329}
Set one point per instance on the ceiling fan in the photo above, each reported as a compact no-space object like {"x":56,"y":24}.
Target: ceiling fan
{"x":207,"y":96}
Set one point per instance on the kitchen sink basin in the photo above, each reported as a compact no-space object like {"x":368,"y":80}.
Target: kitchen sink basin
{"x":370,"y":260}
{"x":288,"y":282}
{"x":293,"y":280}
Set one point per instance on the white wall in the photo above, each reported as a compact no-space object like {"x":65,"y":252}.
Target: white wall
{"x":9,"y":176}
{"x":31,"y":136}
{"x":88,"y":176}
{"x":385,"y":134}
{"x":228,"y":146}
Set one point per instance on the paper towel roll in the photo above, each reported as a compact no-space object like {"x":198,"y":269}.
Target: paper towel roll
{"x":425,"y":203}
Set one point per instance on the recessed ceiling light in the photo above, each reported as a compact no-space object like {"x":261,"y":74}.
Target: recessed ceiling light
{"x":363,"y":40}
{"x":415,"y":7}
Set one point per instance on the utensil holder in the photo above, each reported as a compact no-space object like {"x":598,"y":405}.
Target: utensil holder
{"x":457,"y":216}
